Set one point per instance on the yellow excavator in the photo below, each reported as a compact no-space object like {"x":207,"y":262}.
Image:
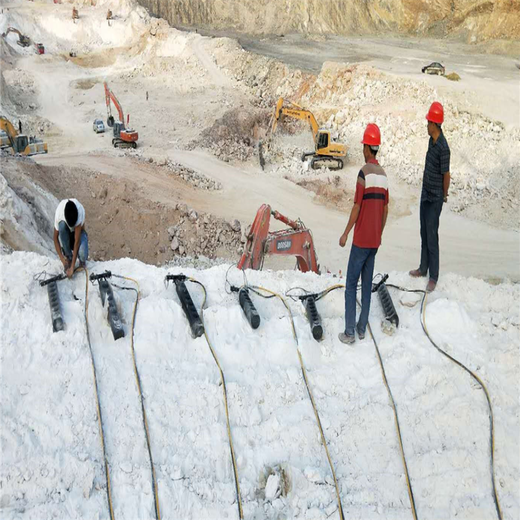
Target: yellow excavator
{"x":326,"y":151}
{"x":23,"y":41}
{"x":16,"y":143}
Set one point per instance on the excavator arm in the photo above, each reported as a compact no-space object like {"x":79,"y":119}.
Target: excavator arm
{"x":296,"y":112}
{"x":9,"y":129}
{"x":110,"y":96}
{"x":296,"y":240}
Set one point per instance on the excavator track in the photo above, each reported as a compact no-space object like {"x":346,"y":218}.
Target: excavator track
{"x":319,"y":161}
{"x":119,"y":143}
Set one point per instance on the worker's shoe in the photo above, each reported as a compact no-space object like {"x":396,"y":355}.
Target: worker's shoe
{"x":361,"y":335}
{"x":345,"y":338}
{"x":431,"y":285}
{"x":417,"y":273}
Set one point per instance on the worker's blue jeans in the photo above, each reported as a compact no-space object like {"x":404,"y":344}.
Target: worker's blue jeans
{"x":430,"y":213}
{"x":361,"y":263}
{"x":66,"y":237}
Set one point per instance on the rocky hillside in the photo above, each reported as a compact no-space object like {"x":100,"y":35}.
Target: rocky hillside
{"x":472,"y":20}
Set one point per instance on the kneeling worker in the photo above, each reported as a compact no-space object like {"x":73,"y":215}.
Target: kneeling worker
{"x":369,"y":215}
{"x":70,"y":237}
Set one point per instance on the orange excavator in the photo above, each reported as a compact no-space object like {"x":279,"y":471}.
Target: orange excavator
{"x":123,"y":137}
{"x":295,"y":240}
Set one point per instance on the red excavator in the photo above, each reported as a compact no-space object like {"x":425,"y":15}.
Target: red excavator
{"x":295,"y":240}
{"x":123,"y":137}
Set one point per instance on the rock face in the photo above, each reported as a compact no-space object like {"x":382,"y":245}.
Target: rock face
{"x":475,"y":20}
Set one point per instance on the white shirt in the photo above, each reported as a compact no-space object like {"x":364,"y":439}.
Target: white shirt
{"x":60,"y":214}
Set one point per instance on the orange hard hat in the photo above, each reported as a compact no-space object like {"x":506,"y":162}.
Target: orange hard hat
{"x":436,"y":113}
{"x":372,"y":135}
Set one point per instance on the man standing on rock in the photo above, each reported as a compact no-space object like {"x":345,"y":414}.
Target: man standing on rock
{"x":369,"y":215}
{"x":70,"y":237}
{"x":436,"y":183}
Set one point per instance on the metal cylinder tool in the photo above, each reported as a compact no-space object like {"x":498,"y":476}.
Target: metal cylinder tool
{"x":54,"y":301}
{"x":249,"y":308}
{"x":309,"y":301}
{"x":386,"y":301}
{"x":106,"y":293}
{"x":196,"y":325}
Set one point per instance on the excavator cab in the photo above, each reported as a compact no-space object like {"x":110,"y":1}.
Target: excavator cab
{"x":21,"y":142}
{"x":118,"y":126}
{"x":323,"y":140}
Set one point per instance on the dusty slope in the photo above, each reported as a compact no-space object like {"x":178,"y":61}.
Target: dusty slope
{"x":52,"y":465}
{"x":25,"y":208}
{"x":473,"y":19}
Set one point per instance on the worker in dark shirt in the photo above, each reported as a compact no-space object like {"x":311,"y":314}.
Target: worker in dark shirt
{"x":436,"y":183}
{"x":368,"y":215}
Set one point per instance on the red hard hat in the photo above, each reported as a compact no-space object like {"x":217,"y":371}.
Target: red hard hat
{"x":372,"y":135}
{"x":436,"y":113}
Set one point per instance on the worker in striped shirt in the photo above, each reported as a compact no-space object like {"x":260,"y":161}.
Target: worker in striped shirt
{"x":368,"y":218}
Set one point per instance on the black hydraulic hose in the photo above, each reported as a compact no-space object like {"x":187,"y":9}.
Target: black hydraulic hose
{"x":477,"y":379}
{"x":98,"y":404}
{"x":140,"y":390}
{"x":483,"y":386}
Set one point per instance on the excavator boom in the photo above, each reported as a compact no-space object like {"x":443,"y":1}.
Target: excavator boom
{"x":110,"y":96}
{"x":296,"y":112}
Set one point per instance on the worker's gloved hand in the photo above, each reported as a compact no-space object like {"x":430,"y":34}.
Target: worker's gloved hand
{"x":343,"y":240}
{"x":70,"y":271}
{"x":66,"y":262}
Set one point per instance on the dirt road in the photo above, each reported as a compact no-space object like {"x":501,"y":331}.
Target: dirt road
{"x":244,"y":191}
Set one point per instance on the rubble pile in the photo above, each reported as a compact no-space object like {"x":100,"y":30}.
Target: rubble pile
{"x":196,"y":179}
{"x":192,"y":177}
{"x":235,"y":135}
{"x":205,"y":235}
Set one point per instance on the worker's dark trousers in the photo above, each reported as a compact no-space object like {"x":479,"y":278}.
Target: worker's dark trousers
{"x":361,"y":263}
{"x":430,"y":213}
{"x":66,"y":238}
